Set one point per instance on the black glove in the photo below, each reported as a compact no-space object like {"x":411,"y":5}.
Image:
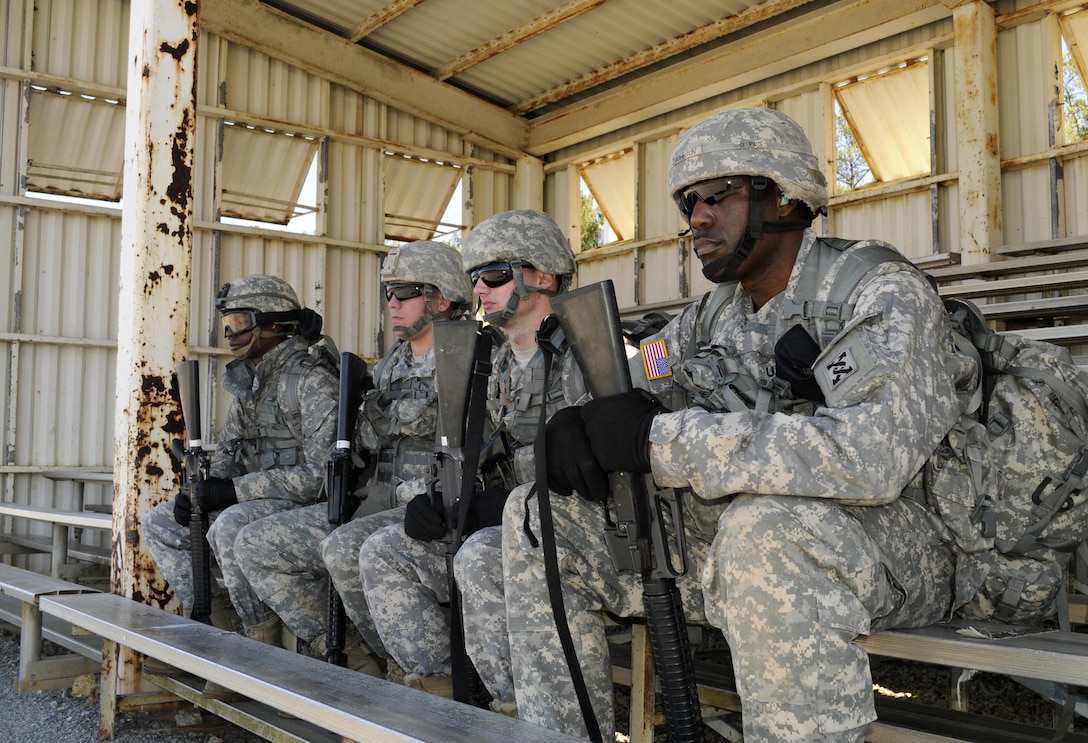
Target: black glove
{"x":618,"y":428}
{"x":571,"y":464}
{"x":182,"y":507}
{"x":485,"y":509}
{"x":215,"y":494}
{"x":424,"y":520}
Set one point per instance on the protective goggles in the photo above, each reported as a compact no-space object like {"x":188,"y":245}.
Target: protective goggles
{"x":709,"y":192}
{"x":494,"y":274}
{"x":403,"y":292}
{"x":237,"y":322}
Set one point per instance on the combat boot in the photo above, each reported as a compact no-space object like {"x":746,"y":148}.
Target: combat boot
{"x":440,"y":686}
{"x":510,"y":709}
{"x":359,"y":657}
{"x":267,"y":632}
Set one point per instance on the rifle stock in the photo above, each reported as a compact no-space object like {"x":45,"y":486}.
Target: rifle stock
{"x":339,"y":484}
{"x":462,"y":367}
{"x":196,"y":472}
{"x":638,"y":539}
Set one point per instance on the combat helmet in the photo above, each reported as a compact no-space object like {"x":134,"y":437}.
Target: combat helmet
{"x":758,"y":142}
{"x":523,"y":238}
{"x":435,"y":265}
{"x":248,"y":303}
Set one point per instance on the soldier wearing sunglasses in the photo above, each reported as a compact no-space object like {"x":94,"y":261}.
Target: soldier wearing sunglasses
{"x":516,"y":262}
{"x":289,"y":557}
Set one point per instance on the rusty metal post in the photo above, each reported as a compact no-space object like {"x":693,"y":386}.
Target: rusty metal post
{"x":978,"y":135}
{"x":153,"y":307}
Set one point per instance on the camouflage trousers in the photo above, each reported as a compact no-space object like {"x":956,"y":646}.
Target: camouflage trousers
{"x":340,"y":554}
{"x":793,"y":581}
{"x":282,"y":557}
{"x":169,"y":545}
{"x":591,"y":585}
{"x":407,"y":588}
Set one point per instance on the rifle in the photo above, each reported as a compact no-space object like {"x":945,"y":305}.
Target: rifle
{"x":195,"y":460}
{"x":462,"y":367}
{"x":638,"y":539}
{"x":339,"y":484}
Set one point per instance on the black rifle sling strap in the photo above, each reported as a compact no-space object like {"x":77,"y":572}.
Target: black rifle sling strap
{"x":547,"y":536}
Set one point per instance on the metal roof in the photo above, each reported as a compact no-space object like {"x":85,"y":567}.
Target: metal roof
{"x":539,"y":75}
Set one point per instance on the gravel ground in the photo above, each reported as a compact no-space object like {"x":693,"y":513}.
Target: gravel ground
{"x":61,"y":717}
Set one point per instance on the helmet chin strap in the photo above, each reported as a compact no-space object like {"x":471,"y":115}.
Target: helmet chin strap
{"x":721,"y":270}
{"x":500,"y":318}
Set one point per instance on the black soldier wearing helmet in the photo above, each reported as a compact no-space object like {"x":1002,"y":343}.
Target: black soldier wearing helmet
{"x":796,"y":438}
{"x":272,"y":448}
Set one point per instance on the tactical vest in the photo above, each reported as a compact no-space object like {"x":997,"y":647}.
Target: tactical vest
{"x":392,"y":408}
{"x":517,"y":410}
{"x":267,"y":440}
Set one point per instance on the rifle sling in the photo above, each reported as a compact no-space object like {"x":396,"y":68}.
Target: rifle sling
{"x":551,"y":567}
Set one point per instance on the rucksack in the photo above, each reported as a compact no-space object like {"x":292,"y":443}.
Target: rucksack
{"x":1004,"y":484}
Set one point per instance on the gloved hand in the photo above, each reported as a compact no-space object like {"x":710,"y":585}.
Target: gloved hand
{"x":571,"y":464}
{"x":215,"y":494}
{"x":183,"y":507}
{"x":423,"y":520}
{"x":618,"y":428}
{"x":485,"y":509}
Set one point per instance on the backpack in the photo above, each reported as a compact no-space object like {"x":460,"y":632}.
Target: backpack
{"x":1004,"y":485}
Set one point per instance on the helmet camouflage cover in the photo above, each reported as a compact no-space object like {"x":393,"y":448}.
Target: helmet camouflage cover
{"x":524,"y":235}
{"x":427,"y":262}
{"x":259,"y":293}
{"x":750,"y":141}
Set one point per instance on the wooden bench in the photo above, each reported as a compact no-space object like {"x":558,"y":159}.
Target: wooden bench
{"x":60,"y":546}
{"x":1050,"y":655}
{"x":20,"y":594}
{"x":338,"y":700}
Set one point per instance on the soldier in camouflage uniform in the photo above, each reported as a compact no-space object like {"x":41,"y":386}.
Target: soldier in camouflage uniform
{"x":288,"y":557}
{"x":271,"y":452}
{"x":796,"y":452}
{"x":517,"y":261}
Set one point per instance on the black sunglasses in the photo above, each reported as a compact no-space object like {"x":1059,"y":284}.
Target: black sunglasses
{"x":403,"y":292}
{"x":494,"y":274}
{"x":709,"y":192}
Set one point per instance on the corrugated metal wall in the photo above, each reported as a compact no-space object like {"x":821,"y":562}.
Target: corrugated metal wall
{"x":260,"y":122}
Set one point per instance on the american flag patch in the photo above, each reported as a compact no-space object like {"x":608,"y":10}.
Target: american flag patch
{"x":656,"y":360}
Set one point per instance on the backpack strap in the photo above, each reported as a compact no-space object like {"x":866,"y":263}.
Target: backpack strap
{"x":832,"y":314}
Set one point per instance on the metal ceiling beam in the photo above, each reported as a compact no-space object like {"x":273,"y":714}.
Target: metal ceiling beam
{"x":309,"y":48}
{"x":508,"y":40}
{"x":387,"y":14}
{"x":690,"y":40}
{"x":783,"y":47}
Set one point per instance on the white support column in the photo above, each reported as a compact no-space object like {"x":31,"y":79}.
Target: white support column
{"x":153,"y":306}
{"x":529,"y":183}
{"x":977,"y":132}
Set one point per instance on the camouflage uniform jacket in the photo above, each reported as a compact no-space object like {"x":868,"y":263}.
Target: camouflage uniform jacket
{"x":280,"y":426}
{"x":892,"y":382}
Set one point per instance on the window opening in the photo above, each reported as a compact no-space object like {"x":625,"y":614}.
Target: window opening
{"x":1075,"y":113}
{"x":882,"y":125}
